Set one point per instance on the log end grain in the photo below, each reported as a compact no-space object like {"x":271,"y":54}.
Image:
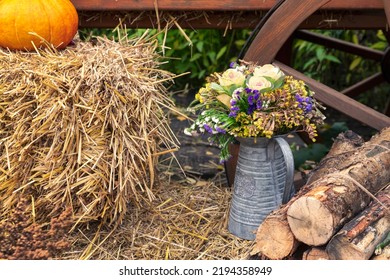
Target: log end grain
{"x":274,"y":239}
{"x":310,"y":222}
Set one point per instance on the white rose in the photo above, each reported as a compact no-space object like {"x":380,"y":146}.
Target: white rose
{"x":268,"y":70}
{"x":258,"y":83}
{"x":231,"y":77}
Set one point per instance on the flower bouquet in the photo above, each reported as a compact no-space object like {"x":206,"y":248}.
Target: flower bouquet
{"x":248,"y":100}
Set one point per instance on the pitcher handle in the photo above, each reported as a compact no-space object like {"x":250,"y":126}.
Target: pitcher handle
{"x":289,"y":160}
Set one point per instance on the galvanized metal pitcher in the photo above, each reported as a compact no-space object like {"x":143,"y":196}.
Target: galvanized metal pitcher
{"x":263,"y":181}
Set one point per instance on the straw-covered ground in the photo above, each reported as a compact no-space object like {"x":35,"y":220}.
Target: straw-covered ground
{"x":87,"y":157}
{"x":186,"y":221}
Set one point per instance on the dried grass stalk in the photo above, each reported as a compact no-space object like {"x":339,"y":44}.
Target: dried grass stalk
{"x":83,"y":127}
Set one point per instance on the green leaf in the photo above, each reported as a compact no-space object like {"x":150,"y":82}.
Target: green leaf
{"x":199,"y":46}
{"x":309,"y":63}
{"x":379,"y":45}
{"x":212,"y":56}
{"x":195,"y":57}
{"x":381,"y":36}
{"x":332,"y":58}
{"x":205,"y":62}
{"x":279,"y":82}
{"x":355,"y":63}
{"x":221,"y":52}
{"x":217,"y":87}
{"x":201,"y":74}
{"x":320,"y":54}
{"x":355,"y":39}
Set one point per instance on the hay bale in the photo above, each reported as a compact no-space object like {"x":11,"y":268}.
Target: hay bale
{"x":83,"y":127}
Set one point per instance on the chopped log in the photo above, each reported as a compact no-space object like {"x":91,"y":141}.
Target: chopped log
{"x":274,"y":238}
{"x":337,"y":197}
{"x":315,"y":253}
{"x":343,"y":147}
{"x":358,"y":239}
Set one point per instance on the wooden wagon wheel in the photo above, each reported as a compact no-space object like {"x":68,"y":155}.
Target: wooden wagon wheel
{"x":280,"y":26}
{"x":275,"y":30}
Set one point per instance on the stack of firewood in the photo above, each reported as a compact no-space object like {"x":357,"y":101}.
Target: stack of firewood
{"x":343,"y":210}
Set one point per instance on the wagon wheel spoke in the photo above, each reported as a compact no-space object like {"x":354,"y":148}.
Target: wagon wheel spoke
{"x":364,"y":85}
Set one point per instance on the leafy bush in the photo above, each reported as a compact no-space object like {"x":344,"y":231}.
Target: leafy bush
{"x":339,"y":69}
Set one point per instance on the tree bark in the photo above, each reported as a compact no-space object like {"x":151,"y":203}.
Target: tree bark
{"x":343,"y":147}
{"x":274,"y":238}
{"x":358,"y":238}
{"x":338,"y":196}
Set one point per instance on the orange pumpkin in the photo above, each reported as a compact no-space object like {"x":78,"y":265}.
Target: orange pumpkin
{"x":55,"y":21}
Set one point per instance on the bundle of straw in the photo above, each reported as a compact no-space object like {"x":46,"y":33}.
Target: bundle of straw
{"x":83,"y":127}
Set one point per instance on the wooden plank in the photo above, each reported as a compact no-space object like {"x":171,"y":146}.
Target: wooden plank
{"x":232,"y":20}
{"x":188,"y":20}
{"x":278,"y":28}
{"x":173,"y":5}
{"x":340,"y":102}
{"x":204,"y":5}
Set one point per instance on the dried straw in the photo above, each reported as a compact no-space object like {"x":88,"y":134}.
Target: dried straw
{"x":186,"y":221}
{"x":83,"y":127}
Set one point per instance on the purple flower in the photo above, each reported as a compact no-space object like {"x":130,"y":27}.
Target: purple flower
{"x":309,"y":107}
{"x":251,"y":109}
{"x":248,"y":90}
{"x":236,"y":94}
{"x":220,"y":130}
{"x":298,"y":98}
{"x":304,"y":103}
{"x":232,"y":64}
{"x":234,"y":111}
{"x":259,"y":104}
{"x":251,"y":100}
{"x":208,"y":128}
{"x":233,"y":102}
